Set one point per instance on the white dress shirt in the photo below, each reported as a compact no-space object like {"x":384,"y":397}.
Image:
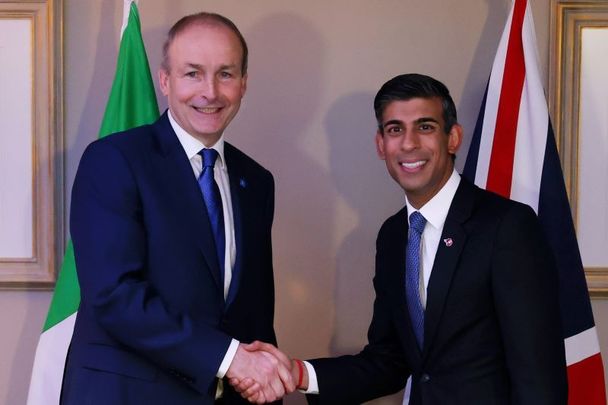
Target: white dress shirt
{"x":192,"y":147}
{"x":435,"y":211}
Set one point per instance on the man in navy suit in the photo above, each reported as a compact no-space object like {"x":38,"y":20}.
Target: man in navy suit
{"x":172,"y":284}
{"x":466,"y":287}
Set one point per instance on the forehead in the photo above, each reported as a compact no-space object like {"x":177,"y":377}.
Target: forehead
{"x":206,"y":40}
{"x":413,"y":109}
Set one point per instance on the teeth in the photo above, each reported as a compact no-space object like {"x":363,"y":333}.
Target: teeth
{"x":208,"y":110}
{"x":412,"y":165}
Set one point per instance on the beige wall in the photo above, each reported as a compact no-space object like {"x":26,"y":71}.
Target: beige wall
{"x":315,"y":66}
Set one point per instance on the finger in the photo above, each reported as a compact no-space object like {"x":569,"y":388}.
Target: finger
{"x":277,"y":387}
{"x":282,"y":357}
{"x":257,"y":398}
{"x":253,"y":346}
{"x":235,"y":382}
{"x":243,"y":385}
{"x":269,"y":392}
{"x":286,"y":378}
{"x":261,"y":398}
{"x":252,"y":390}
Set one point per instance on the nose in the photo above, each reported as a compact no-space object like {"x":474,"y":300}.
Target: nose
{"x":209,"y":88}
{"x":410,"y":140}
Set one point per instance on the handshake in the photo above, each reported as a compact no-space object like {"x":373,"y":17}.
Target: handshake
{"x":261,"y":373}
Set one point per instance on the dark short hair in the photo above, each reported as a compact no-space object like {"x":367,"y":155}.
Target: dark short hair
{"x":413,"y":85}
{"x":203,"y":18}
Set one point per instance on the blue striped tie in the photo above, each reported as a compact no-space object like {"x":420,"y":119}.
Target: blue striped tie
{"x":412,"y":276}
{"x":213,"y":202}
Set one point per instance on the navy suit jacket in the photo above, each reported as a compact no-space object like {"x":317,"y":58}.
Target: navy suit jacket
{"x":153,"y":325}
{"x":492,"y":327}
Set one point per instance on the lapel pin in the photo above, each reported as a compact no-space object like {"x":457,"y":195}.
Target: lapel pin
{"x":242,"y":183}
{"x":448,"y":242}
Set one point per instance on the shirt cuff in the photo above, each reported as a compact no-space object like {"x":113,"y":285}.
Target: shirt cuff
{"x":313,"y":385}
{"x":228,"y":357}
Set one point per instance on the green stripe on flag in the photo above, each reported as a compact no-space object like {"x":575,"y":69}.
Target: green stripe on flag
{"x":132,"y":102}
{"x":67,"y":292}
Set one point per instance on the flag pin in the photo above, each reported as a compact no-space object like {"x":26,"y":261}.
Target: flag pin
{"x":448,"y":242}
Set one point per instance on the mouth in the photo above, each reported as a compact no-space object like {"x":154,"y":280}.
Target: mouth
{"x":413,"y":166}
{"x":207,"y":110}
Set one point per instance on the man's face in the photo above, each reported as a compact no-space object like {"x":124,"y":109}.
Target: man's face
{"x":415,"y":147}
{"x":204,"y":84}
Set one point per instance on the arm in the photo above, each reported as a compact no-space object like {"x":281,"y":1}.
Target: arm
{"x":525,"y":285}
{"x":110,"y":240}
{"x":380,"y":369}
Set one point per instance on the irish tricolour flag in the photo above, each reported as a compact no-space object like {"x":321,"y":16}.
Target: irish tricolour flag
{"x":132,"y":102}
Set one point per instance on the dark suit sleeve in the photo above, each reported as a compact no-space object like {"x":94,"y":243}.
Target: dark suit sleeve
{"x":380,"y":369}
{"x":110,"y":245}
{"x":525,"y":285}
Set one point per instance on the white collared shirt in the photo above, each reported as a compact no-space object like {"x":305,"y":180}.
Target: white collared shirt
{"x":192,"y":147}
{"x":435,"y":211}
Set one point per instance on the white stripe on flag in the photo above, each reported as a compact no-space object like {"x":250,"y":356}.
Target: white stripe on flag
{"x":491,"y":109}
{"x":49,"y":362}
{"x":532,"y":125}
{"x":581,"y":346}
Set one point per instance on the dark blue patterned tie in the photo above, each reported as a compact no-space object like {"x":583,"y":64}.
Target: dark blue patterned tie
{"x":412,"y":275}
{"x":213,"y":202}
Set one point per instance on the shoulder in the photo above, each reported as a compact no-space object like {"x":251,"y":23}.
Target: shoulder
{"x":490,"y":217}
{"x":238,"y":160}
{"x":134,"y":139}
{"x":487,"y":204}
{"x":394,"y":224}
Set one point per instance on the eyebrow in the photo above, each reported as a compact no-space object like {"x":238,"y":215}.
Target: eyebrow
{"x":418,"y":121}
{"x":200,"y":67}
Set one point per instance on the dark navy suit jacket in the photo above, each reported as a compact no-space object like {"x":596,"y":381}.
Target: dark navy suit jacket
{"x":492,"y":331}
{"x":153,"y":325}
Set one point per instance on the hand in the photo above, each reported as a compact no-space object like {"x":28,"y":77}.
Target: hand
{"x":261,"y":373}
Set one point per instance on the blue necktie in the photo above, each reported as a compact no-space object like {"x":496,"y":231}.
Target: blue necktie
{"x":213,"y":202}
{"x":412,"y":275}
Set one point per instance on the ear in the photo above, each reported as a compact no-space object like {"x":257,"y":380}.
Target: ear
{"x":454,"y":139}
{"x":380,"y":145}
{"x":163,"y":81}
{"x":244,"y":85}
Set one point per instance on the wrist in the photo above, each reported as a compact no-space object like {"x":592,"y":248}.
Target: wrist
{"x":301,"y":379}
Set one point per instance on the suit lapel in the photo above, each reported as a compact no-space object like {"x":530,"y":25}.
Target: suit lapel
{"x":176,"y":171}
{"x":453,"y":240}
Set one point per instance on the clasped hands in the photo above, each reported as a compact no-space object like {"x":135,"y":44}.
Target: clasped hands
{"x":261,"y":373}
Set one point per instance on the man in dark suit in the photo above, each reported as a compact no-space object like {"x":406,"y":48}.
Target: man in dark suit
{"x":466,"y":287}
{"x":172,"y":234}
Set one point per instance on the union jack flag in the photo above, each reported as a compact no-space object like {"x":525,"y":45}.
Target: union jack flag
{"x":513,"y":153}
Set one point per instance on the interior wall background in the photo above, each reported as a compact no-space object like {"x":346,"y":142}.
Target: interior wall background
{"x":307,"y":116}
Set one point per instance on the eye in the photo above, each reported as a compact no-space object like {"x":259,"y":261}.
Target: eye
{"x":192,"y":74}
{"x":226,"y":75}
{"x":425,"y":127}
{"x":392,"y":129}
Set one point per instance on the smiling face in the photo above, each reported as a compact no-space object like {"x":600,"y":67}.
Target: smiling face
{"x":417,"y":151}
{"x":204,"y":83}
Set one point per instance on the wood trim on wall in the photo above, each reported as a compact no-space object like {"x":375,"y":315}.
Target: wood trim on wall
{"x":46,"y":60}
{"x":568,"y":19}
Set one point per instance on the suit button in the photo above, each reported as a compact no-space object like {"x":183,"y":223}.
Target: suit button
{"x":425,"y":378}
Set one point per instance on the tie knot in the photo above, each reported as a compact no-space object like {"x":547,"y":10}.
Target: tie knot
{"x":209,"y":156}
{"x":417,"y":222}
